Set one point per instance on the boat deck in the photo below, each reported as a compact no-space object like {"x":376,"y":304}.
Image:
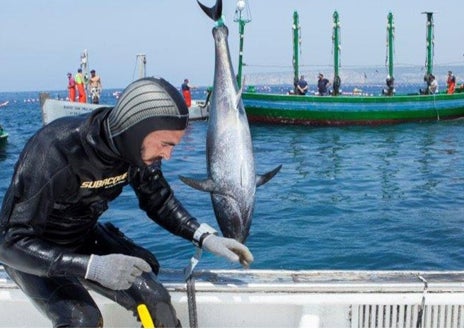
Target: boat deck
{"x":276,"y":298}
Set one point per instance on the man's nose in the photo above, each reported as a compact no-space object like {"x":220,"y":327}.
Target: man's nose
{"x":167,"y":154}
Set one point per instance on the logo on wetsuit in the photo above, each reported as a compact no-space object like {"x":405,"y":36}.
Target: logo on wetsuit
{"x":105,"y":183}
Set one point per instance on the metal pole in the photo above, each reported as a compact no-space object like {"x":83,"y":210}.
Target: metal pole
{"x":85,"y":69}
{"x":141,"y":64}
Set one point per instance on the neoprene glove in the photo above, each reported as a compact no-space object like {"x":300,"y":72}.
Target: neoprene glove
{"x":115,"y":271}
{"x":228,"y":248}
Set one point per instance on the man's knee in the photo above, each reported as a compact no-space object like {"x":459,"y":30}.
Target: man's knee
{"x":158,"y":300}
{"x":78,"y":316}
{"x":165,"y":316}
{"x":151,"y":290}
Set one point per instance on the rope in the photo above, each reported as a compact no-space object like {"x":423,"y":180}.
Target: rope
{"x":191,"y":297}
{"x":422,"y":306}
{"x":192,"y":303}
{"x":435,"y":107}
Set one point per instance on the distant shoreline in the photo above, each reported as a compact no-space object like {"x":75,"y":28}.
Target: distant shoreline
{"x":358,"y":75}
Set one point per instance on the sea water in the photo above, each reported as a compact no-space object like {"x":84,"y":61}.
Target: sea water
{"x":352,"y":198}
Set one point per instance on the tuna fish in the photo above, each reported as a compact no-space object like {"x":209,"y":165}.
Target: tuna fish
{"x":231,"y":180}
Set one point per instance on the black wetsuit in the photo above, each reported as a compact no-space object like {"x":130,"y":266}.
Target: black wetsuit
{"x":63,"y":181}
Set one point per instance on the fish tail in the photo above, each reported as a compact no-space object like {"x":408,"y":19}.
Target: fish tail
{"x":214,"y":12}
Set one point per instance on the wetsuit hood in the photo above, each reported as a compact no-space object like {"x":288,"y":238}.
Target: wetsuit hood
{"x":146,"y":105}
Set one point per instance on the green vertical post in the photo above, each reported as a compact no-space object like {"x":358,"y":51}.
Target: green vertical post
{"x":430,"y":43}
{"x":296,"y":40}
{"x":390,"y":34}
{"x":336,"y":42}
{"x":241,"y":31}
{"x":336,"y":52}
{"x":242,"y":16}
{"x":390,"y":90}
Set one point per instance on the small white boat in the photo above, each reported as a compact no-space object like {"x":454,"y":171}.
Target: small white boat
{"x":53,"y":109}
{"x":199,"y":110}
{"x":284,"y":299}
{"x":5,"y":103}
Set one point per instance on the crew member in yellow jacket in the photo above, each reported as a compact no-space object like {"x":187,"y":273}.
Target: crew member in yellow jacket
{"x":80,"y":84}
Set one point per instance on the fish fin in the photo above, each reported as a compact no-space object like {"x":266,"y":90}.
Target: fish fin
{"x":205,"y":185}
{"x":238,"y":98}
{"x":239,"y":94}
{"x":214,"y":12}
{"x":263,"y":179}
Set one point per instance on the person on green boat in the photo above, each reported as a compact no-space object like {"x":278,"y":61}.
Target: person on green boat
{"x":302,"y":86}
{"x":322,"y":85}
{"x":450,"y":83}
{"x":390,"y":90}
{"x":51,"y":243}
{"x":433,"y":86}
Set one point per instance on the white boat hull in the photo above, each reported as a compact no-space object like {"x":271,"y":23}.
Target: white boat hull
{"x":53,"y":109}
{"x":286,"y":299}
{"x":198,"y":110}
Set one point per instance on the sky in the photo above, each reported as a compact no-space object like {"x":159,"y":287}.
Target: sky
{"x":41,"y":40}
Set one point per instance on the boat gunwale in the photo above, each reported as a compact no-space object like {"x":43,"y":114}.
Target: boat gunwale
{"x":243,"y":277}
{"x":316,"y":280}
{"x":352,"y":98}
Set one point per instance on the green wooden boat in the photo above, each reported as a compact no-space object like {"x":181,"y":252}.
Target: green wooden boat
{"x":351,"y":110}
{"x":340,"y":110}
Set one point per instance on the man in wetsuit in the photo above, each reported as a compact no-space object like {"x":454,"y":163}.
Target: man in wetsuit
{"x":51,"y":244}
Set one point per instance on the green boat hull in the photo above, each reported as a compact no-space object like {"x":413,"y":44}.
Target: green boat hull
{"x":351,"y":110}
{"x":3,"y":137}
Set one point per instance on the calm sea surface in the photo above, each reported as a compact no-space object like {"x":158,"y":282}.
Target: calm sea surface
{"x":364,"y":198}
